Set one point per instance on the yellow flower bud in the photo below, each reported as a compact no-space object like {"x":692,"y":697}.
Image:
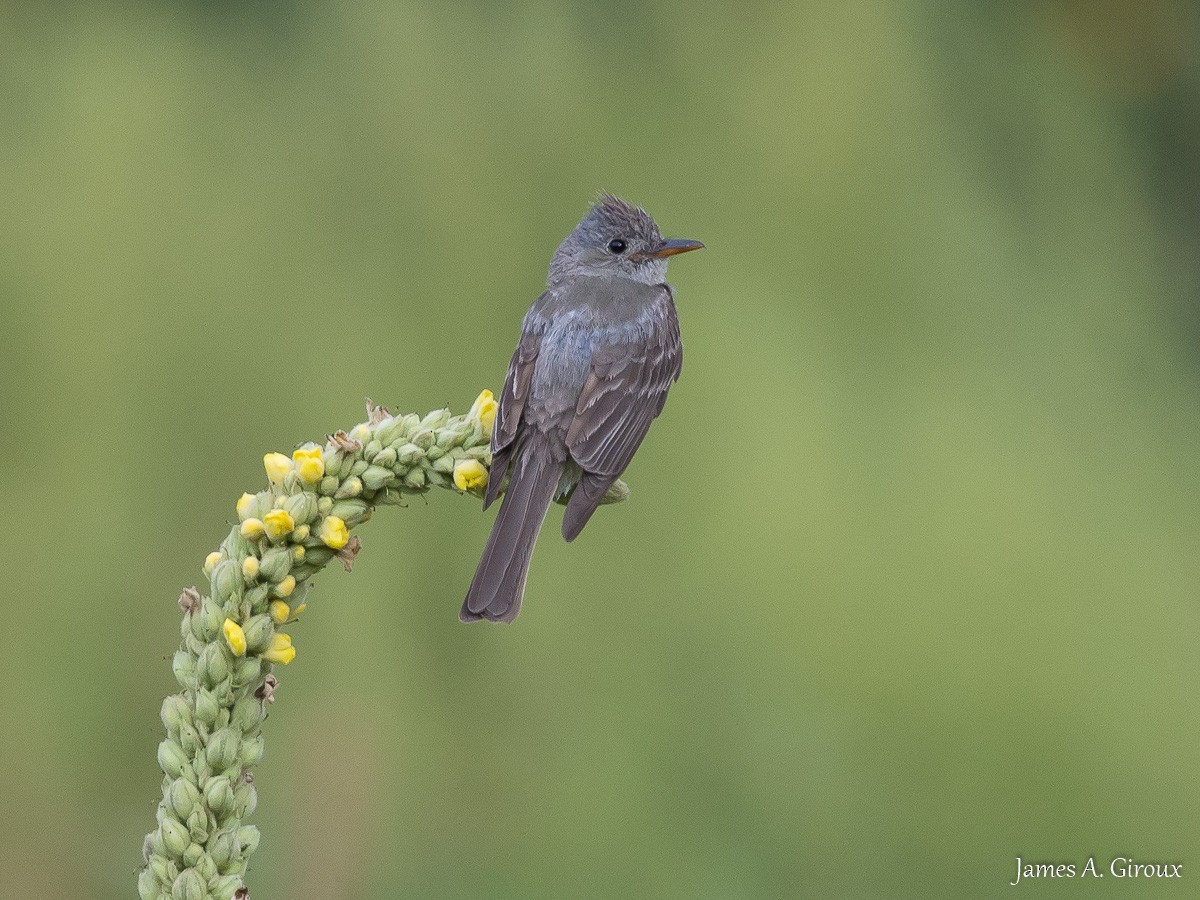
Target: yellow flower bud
{"x":253,"y":529}
{"x":298,"y":553}
{"x":210,"y":562}
{"x":333,"y":532}
{"x":235,"y":637}
{"x":300,"y":607}
{"x":281,"y":650}
{"x":361,"y":432}
{"x":278,"y":523}
{"x":301,"y":533}
{"x":243,"y":505}
{"x":278,"y":467}
{"x":279,"y":611}
{"x":285,"y":587}
{"x":250,"y":568}
{"x":309,"y":464}
{"x":469,"y":473}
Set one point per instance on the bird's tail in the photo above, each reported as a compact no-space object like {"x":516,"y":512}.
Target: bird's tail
{"x":499,"y":584}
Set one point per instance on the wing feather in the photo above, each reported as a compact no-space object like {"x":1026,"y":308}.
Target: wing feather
{"x":625,"y":391}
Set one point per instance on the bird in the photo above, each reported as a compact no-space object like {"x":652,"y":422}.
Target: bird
{"x":598,"y":352}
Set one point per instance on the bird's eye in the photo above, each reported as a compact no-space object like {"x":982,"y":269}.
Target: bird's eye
{"x":616,"y":245}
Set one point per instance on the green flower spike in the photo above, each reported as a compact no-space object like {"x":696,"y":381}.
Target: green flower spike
{"x":231,"y":638}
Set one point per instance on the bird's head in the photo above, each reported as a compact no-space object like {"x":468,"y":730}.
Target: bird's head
{"x":616,"y":239}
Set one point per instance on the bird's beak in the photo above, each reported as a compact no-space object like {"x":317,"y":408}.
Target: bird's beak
{"x":669,"y":247}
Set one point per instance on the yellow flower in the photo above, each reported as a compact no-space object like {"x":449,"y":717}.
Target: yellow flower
{"x":250,"y":568}
{"x":281,"y":650}
{"x":235,"y":637}
{"x":253,"y":529}
{"x":210,"y":562}
{"x":243,"y":505}
{"x":279,"y":611}
{"x":333,"y":533}
{"x":285,"y":587}
{"x":309,"y":464}
{"x":484,"y":411}
{"x":278,"y":466}
{"x":277,"y":523}
{"x":469,"y":473}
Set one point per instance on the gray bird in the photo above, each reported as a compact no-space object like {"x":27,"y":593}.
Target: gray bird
{"x":598,"y":352}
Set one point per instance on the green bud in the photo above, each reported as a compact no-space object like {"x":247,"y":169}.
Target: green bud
{"x":407,"y":454}
{"x":617,"y":492}
{"x":434,"y":452}
{"x":188,"y":886}
{"x":213,"y":665}
{"x":154,"y":840}
{"x":184,"y":667}
{"x":207,"y":708}
{"x":256,"y":598}
{"x":415,"y":478}
{"x":275,"y":564}
{"x":222,"y":847}
{"x":192,"y":855}
{"x":376,"y":477}
{"x":423,"y":439}
{"x":436,"y":419}
{"x":225,"y":887}
{"x":245,"y":799}
{"x":218,"y":795}
{"x":171,"y":758}
{"x":149,"y":885}
{"x":452,"y":435}
{"x":227,"y":581}
{"x":436,"y":479}
{"x":410,"y":423}
{"x":324,"y":505}
{"x":444,"y":464}
{"x":301,"y":507}
{"x":352,"y":512}
{"x":159,"y":865}
{"x":372,"y":447}
{"x":258,"y":631}
{"x":317,"y":557}
{"x":197,"y":824}
{"x":247,"y":714}
{"x":252,"y":751}
{"x":386,"y":458}
{"x":351,"y":487}
{"x":189,"y":739}
{"x":305,"y":571}
{"x":248,"y":838}
{"x":211,"y":618}
{"x":481,"y":452}
{"x":333,"y":459}
{"x":175,"y":837}
{"x":181,"y":798}
{"x":247,"y":671}
{"x":223,"y":748}
{"x":174,"y":713}
{"x":207,"y":868}
{"x":389,"y":430}
{"x":328,"y":485}
{"x":360,"y":466}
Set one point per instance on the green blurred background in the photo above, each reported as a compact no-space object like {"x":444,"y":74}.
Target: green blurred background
{"x":907,"y":586}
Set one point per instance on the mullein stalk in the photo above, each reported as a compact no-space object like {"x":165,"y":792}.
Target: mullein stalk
{"x":232,"y":638}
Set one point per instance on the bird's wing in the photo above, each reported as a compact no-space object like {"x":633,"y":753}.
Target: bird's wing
{"x":625,"y":391}
{"x":513,"y":397}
